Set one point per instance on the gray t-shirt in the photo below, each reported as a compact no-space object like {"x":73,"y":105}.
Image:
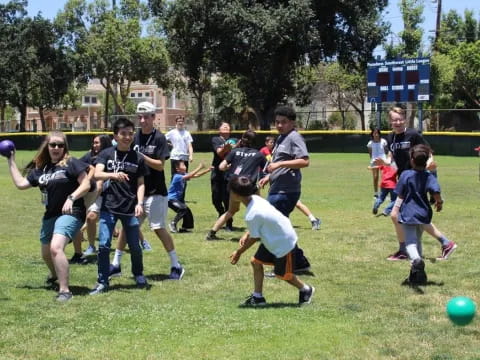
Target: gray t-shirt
{"x":287,"y":147}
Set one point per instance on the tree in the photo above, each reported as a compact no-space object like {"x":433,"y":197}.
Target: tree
{"x":191,"y":28}
{"x":11,"y":15}
{"x":261,"y":43}
{"x":110,"y":42}
{"x":411,"y":35}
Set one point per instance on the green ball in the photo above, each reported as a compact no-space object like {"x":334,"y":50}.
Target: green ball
{"x":461,"y":310}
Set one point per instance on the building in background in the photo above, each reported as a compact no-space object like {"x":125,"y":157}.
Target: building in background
{"x":89,"y":115}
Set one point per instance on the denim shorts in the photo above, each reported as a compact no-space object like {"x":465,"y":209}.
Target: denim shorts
{"x":66,"y":225}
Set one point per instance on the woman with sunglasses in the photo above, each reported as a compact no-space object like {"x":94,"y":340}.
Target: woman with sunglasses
{"x":63,"y":182}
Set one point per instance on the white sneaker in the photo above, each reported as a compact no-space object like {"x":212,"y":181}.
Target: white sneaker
{"x":90,"y":251}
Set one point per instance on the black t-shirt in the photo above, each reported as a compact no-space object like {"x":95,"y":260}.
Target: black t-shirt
{"x":155,"y":146}
{"x":58,"y":182}
{"x":400,"y":145}
{"x":90,"y":159}
{"x":121,"y":197}
{"x":217,"y":142}
{"x":246,"y":162}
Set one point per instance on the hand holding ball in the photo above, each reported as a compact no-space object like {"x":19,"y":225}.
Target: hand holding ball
{"x":461,"y":310}
{"x":6,"y":148}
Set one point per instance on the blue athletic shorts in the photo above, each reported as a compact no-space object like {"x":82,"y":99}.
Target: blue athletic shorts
{"x":66,"y":225}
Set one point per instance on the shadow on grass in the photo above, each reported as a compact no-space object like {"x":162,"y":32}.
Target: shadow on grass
{"x":158,"y":277}
{"x":419,"y":289}
{"x":279,"y":305}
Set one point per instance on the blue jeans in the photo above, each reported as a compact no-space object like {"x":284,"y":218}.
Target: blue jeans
{"x":284,"y":202}
{"x":381,"y":198}
{"x":105,"y":231}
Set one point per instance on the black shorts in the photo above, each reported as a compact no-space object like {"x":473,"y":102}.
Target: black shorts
{"x":282,"y":267}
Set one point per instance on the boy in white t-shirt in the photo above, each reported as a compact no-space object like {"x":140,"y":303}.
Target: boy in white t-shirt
{"x":278,"y":241}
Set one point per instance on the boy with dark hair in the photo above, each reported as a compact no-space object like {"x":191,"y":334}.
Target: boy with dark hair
{"x":122,"y":171}
{"x":290,"y":154}
{"x":415,"y":212}
{"x":278,"y":241}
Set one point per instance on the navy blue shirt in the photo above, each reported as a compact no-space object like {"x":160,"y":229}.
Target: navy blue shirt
{"x":413,"y":187}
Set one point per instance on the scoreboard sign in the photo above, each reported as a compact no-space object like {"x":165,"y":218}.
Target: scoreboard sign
{"x":400,"y":80}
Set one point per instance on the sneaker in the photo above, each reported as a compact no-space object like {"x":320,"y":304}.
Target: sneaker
{"x":316,"y":224}
{"x":173,"y":227}
{"x":375,"y":211}
{"x":64,"y":296}
{"x":99,"y":289}
{"x":141,"y":281}
{"x":146,"y":245}
{"x":229,"y":228}
{"x":184,"y":230}
{"x":399,"y":255}
{"x":212,"y":236}
{"x":115,"y":271}
{"x":90,"y":251}
{"x":417,"y":273}
{"x":176,"y":273}
{"x":76,"y":259}
{"x":305,"y":297}
{"x":447,"y":251}
{"x":255,"y":301}
{"x":269,"y":274}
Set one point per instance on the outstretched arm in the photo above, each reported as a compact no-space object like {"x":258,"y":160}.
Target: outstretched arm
{"x":246,"y":244}
{"x":19,"y":181}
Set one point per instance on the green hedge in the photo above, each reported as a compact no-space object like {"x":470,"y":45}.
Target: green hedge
{"x":457,"y":144}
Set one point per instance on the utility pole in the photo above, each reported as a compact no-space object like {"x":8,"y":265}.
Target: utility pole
{"x":437,"y":27}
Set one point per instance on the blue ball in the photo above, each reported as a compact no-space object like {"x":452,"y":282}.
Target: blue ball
{"x":6,"y":147}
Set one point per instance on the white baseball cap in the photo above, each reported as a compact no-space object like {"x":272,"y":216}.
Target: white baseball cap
{"x":146,"y":107}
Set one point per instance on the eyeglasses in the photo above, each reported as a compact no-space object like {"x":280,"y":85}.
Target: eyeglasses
{"x":55,"y":145}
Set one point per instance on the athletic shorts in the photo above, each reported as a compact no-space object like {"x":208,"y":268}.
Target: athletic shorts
{"x":282,"y":267}
{"x":66,"y":225}
{"x":156,"y":209}
{"x":95,"y":206}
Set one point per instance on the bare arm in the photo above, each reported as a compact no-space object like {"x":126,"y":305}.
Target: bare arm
{"x":20,"y":182}
{"x":101,"y":174}
{"x":224,"y":165}
{"x":80,"y":191}
{"x":140,"y":196}
{"x":156,"y":164}
{"x":235,"y":256}
{"x":190,"y":152}
{"x":290,"y":164}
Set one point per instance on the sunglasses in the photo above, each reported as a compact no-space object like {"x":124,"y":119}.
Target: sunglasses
{"x":55,"y":145}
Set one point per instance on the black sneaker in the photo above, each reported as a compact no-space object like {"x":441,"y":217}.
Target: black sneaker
{"x":141,"y":281}
{"x":51,"y":281}
{"x":99,"y":289}
{"x":115,"y":271}
{"x":176,"y":273}
{"x":212,"y":236}
{"x":64,"y":296}
{"x":255,"y":301}
{"x":173,"y":227}
{"x":375,"y":211}
{"x":305,"y":297}
{"x":76,"y":259}
{"x":417,"y":273}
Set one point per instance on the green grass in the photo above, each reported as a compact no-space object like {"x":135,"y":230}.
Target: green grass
{"x":360,"y":310}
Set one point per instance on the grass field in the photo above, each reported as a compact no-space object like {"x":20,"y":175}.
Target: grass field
{"x":360,"y":309}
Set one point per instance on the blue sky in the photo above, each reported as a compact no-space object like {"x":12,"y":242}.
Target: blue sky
{"x":49,"y":8}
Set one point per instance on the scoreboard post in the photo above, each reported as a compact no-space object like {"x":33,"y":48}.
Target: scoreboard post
{"x":399,"y":80}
